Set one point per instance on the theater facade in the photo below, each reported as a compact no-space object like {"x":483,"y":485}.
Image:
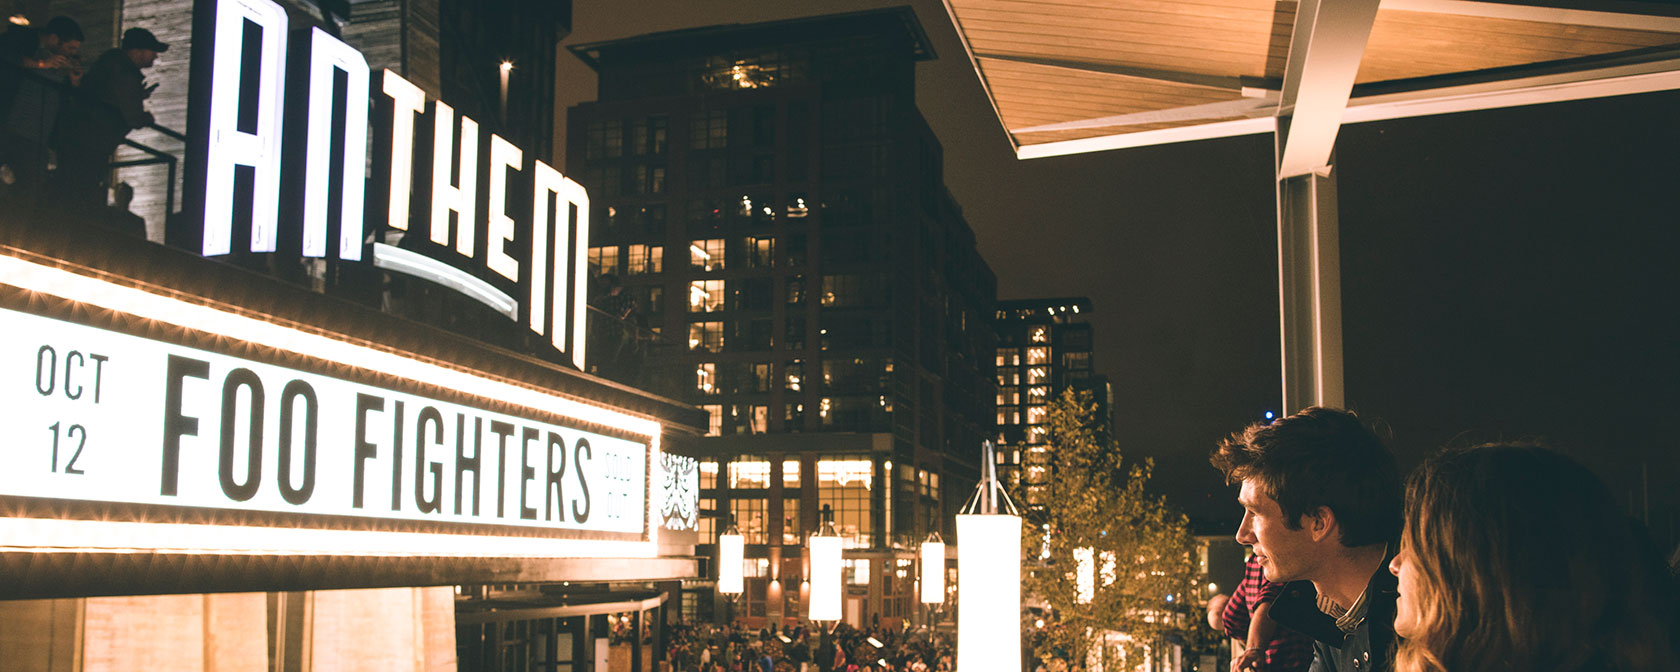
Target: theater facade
{"x":341,"y":420}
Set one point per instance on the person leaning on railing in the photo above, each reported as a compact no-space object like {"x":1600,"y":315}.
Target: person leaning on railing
{"x":89,"y":131}
{"x":34,"y":65}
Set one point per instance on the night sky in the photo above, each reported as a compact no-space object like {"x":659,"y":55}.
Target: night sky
{"x":1506,"y":274}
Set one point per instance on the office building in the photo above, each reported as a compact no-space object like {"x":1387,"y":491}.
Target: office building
{"x":769,"y":202}
{"x":1043,"y":350}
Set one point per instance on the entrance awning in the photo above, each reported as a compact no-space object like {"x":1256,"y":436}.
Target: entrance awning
{"x":1074,"y":76}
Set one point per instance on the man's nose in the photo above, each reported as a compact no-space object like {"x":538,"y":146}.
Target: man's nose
{"x":1245,"y":532}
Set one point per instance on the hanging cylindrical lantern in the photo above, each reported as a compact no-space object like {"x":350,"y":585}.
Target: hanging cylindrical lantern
{"x":933,"y":569}
{"x":989,"y":557}
{"x":826,"y":569}
{"x":732,"y":549}
{"x":1085,"y":577}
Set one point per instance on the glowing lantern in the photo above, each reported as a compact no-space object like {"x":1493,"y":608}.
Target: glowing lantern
{"x":933,"y":569}
{"x":989,"y":556}
{"x":731,"y":555}
{"x":1085,"y":579}
{"x":826,"y":566}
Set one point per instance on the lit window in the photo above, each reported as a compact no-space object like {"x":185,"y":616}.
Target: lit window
{"x":760,"y":252}
{"x":795,"y":375}
{"x":1009,"y":416}
{"x":758,"y":419}
{"x":645,"y":259}
{"x":705,"y":378}
{"x":1038,"y":333}
{"x":604,"y":260}
{"x":748,"y":471}
{"x":1038,"y":355}
{"x":844,"y":483}
{"x":1036,"y":414}
{"x":1035,"y":435}
{"x":705,"y":336}
{"x":1009,"y":377}
{"x":705,"y":296}
{"x":790,"y":473}
{"x":1038,"y":394}
{"x":1008,"y":357}
{"x":714,"y":427}
{"x":707,"y":254}
{"x":1038,"y":375}
{"x":796,"y":208}
{"x":1008,"y":396}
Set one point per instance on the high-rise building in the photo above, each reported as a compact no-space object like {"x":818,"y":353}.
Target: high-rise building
{"x":769,"y":201}
{"x":1043,"y":350}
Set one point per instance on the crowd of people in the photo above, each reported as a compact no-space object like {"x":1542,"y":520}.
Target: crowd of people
{"x":1498,"y":557}
{"x":808,"y":648}
{"x":57,"y":113}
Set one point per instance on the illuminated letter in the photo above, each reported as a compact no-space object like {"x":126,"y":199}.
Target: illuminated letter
{"x":526,"y":473}
{"x":554,"y":497}
{"x":235,"y":490}
{"x":244,"y":135}
{"x":293,"y":391}
{"x":446,"y":197}
{"x":408,"y":100}
{"x":327,"y":55}
{"x":396,"y":457}
{"x":464,"y":464}
{"x":365,"y":403}
{"x":581,"y":515}
{"x":176,"y":425}
{"x":503,"y":155}
{"x":547,"y":180}
{"x":503,"y":432}
{"x":428,"y":415}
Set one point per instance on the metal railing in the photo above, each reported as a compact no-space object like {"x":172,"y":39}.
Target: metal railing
{"x":23,"y":153}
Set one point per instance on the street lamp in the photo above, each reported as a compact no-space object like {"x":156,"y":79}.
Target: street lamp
{"x":826,"y":566}
{"x":989,"y":555}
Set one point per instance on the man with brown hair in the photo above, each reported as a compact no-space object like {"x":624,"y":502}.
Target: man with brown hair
{"x":1322,"y":510}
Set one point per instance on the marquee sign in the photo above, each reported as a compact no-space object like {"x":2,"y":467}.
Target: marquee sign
{"x":330,"y":446}
{"x":281,"y":126}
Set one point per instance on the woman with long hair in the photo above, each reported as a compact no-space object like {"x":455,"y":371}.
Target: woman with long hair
{"x":1514,"y":557}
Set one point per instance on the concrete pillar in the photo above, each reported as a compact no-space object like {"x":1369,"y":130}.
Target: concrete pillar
{"x":1309,"y":289}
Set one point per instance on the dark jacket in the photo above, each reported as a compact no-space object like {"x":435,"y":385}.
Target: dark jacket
{"x":1371,"y":646}
{"x":112,"y":104}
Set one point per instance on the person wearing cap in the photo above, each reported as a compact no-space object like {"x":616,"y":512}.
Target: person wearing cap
{"x":112,"y":104}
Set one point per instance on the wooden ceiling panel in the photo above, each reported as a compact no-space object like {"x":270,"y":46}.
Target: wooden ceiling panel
{"x":1206,"y":37}
{"x":1406,"y":44}
{"x":1030,"y":95}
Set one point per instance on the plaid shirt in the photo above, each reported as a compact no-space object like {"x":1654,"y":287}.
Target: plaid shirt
{"x":1288,"y":650}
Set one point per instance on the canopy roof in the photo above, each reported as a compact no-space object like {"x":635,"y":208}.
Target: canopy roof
{"x":1071,"y":76}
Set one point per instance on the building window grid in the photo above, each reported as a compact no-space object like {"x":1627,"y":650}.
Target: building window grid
{"x":642,"y":259}
{"x":845,"y":484}
{"x":707,"y":254}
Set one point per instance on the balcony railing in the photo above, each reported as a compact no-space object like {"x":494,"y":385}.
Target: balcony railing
{"x":33,"y":124}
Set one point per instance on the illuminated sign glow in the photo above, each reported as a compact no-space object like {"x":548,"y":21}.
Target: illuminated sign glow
{"x":252,"y":122}
{"x":131,"y":420}
{"x":989,"y":592}
{"x":826,"y":566}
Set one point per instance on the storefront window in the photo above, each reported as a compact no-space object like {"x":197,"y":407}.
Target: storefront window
{"x":747,"y":471}
{"x":844,"y":483}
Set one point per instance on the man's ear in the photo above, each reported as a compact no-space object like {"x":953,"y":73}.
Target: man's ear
{"x":1321,"y":522}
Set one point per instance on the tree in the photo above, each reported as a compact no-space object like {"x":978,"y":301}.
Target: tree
{"x":1140,"y":576}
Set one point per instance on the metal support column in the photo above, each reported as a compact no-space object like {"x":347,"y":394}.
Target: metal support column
{"x":1309,"y":288}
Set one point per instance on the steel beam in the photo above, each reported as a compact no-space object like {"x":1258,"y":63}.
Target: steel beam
{"x":1324,"y":53}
